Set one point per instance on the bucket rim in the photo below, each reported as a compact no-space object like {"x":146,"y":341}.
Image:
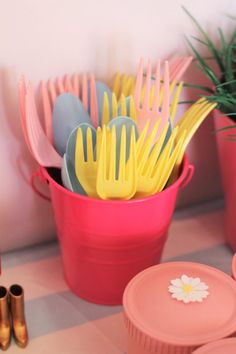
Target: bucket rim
{"x":175,"y":185}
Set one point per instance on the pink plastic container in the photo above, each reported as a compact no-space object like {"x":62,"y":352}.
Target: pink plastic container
{"x":157,"y":323}
{"x":105,"y":243}
{"x":224,"y":346}
{"x":234,"y":268}
{"x":227,"y":158}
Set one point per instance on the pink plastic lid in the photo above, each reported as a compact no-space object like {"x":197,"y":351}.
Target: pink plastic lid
{"x":151,"y":311}
{"x":234,"y":267}
{"x":224,"y":346}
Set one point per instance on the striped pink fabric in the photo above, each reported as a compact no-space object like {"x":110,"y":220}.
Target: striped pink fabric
{"x":61,"y":323}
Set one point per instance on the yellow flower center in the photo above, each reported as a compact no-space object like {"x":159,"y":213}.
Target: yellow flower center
{"x":187,"y":288}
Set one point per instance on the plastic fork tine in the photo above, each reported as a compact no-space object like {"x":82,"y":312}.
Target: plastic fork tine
{"x":148,"y":85}
{"x":166,"y":152}
{"x":129,"y":86}
{"x":166,"y":172}
{"x":52,"y":91}
{"x":138,"y":84}
{"x":47,"y":111}
{"x":143,"y":154}
{"x":105,"y":109}
{"x":166,"y":93}
{"x":112,"y":160}
{"x":60,"y":85}
{"x":132,"y":110}
{"x":142,"y":137}
{"x":75,"y":84}
{"x":89,"y":145}
{"x":22,"y":93}
{"x":93,"y":102}
{"x":180,"y":68}
{"x":156,"y":99}
{"x":98,"y":141}
{"x":102,"y":161}
{"x":156,"y":151}
{"x":67,"y":84}
{"x":131,"y":173}
{"x":114,"y":106}
{"x":116,"y":84}
{"x":123,"y":105}
{"x":184,"y":121}
{"x":85,"y":91}
{"x":80,"y":156}
{"x":175,"y":100}
{"x":122,"y":154}
{"x":175,"y":68}
{"x":126,"y":85}
{"x":86,"y":166}
{"x":123,"y":83}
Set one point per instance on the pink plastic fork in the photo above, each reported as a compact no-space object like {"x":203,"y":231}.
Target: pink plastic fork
{"x":41,"y":148}
{"x":21,"y":97}
{"x":160,"y":107}
{"x":70,"y":83}
{"x":88,"y":85}
{"x":178,"y":67}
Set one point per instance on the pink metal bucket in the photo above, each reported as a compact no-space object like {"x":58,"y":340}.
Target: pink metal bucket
{"x":227,"y":158}
{"x":106,"y":243}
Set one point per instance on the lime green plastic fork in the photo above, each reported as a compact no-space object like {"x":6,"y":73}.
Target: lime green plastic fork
{"x":108,"y":186}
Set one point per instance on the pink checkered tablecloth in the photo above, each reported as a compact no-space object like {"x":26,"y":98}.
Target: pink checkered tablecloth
{"x":61,"y":323}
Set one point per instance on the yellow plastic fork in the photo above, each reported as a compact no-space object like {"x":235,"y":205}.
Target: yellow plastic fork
{"x":161,"y":102}
{"x":155,"y":172}
{"x":108,"y":186}
{"x":190,"y":122}
{"x":125,"y":84}
{"x":86,"y":169}
{"x":106,"y":116}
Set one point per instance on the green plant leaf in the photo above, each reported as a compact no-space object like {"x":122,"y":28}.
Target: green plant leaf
{"x":203,"y":65}
{"x":199,"y":87}
{"x":222,"y":39}
{"x":211,"y":46}
{"x":226,"y":83}
{"x":200,"y":41}
{"x":227,"y":127}
{"x":187,"y":102}
{"x":229,"y":75}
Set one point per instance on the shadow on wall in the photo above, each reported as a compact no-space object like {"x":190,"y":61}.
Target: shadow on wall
{"x":27,"y":219}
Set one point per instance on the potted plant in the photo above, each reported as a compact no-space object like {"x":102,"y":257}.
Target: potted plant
{"x":220,"y":68}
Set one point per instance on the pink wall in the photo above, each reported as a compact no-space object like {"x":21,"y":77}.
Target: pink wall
{"x":48,"y":38}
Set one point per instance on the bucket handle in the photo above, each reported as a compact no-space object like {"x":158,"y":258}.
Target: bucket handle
{"x":38,"y":174}
{"x":188,"y":177}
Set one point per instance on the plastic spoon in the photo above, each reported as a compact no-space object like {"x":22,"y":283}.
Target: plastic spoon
{"x":68,"y":112}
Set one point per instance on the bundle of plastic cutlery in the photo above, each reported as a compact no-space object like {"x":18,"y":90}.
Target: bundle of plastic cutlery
{"x":121,"y":167}
{"x":112,"y":144}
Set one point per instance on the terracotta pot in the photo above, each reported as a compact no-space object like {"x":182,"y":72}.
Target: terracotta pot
{"x":227,"y":159}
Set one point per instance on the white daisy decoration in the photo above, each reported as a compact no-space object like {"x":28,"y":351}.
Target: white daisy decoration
{"x":188,"y":289}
